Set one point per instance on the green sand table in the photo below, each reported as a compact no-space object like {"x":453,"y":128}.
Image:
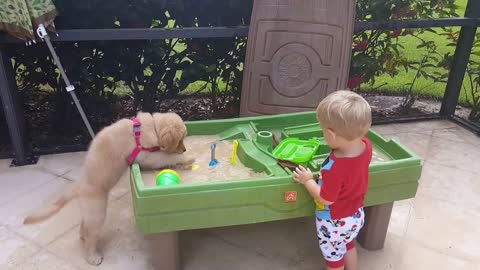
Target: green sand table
{"x":276,"y":197}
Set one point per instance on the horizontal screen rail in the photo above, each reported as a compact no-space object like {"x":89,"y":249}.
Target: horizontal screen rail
{"x":219,"y":32}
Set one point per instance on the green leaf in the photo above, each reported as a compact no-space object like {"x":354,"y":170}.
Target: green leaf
{"x":423,"y":73}
{"x":422,"y":45}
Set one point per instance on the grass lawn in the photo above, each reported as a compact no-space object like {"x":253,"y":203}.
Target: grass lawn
{"x":423,"y":87}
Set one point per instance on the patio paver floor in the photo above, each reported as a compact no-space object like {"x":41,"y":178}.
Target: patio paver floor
{"x":439,"y":229}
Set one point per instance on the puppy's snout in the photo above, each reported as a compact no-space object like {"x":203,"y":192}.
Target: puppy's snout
{"x":180,"y":149}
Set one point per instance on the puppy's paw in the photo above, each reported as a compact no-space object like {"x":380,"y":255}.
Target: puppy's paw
{"x":95,"y":258}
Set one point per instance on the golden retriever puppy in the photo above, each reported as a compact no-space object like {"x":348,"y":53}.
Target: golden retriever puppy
{"x":108,"y":158}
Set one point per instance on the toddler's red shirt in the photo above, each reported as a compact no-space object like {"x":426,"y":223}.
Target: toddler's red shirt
{"x":345,"y":183}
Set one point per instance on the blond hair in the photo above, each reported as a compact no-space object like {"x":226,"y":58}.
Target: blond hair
{"x":346,"y":113}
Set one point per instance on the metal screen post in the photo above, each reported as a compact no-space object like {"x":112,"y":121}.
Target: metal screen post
{"x":460,"y":61}
{"x":11,"y":107}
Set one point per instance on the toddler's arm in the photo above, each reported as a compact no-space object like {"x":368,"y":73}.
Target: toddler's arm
{"x":314,"y":189}
{"x":304,"y":176}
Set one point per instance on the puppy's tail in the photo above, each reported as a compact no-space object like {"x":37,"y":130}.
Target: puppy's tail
{"x":50,"y":210}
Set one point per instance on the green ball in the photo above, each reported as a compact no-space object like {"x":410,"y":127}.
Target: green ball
{"x":168,"y":178}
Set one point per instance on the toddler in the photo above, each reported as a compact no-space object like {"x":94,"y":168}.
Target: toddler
{"x":339,"y":192}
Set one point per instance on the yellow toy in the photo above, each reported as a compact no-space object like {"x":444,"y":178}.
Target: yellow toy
{"x":233,"y":158}
{"x":195,"y":167}
{"x":320,"y":206}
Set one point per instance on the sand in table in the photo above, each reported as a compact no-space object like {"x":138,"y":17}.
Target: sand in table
{"x":199,"y":147}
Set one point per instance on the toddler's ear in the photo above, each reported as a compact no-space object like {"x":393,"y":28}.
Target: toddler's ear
{"x":331,"y":133}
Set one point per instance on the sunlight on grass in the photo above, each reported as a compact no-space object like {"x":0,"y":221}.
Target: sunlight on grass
{"x":423,"y":87}
{"x":399,"y":83}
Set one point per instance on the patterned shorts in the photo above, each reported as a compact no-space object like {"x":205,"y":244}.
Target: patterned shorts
{"x":336,"y":237}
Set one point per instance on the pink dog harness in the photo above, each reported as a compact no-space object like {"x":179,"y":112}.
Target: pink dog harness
{"x":138,"y":147}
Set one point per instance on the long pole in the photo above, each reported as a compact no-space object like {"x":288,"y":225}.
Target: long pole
{"x":70,"y":88}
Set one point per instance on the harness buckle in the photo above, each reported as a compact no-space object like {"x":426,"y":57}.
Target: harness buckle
{"x":136,"y":127}
{"x":139,"y":147}
{"x":136,"y":131}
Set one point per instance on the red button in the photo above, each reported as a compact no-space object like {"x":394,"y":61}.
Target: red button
{"x":290,"y":196}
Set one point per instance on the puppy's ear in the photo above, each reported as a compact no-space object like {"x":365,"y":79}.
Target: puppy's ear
{"x":167,"y":140}
{"x":157,"y":119}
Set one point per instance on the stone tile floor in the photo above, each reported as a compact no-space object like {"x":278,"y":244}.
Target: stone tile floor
{"x":439,"y":229}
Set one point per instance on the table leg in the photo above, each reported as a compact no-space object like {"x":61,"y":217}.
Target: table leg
{"x":164,"y":250}
{"x":374,"y":232}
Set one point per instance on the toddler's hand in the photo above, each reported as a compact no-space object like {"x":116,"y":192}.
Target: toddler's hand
{"x":302,"y":175}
